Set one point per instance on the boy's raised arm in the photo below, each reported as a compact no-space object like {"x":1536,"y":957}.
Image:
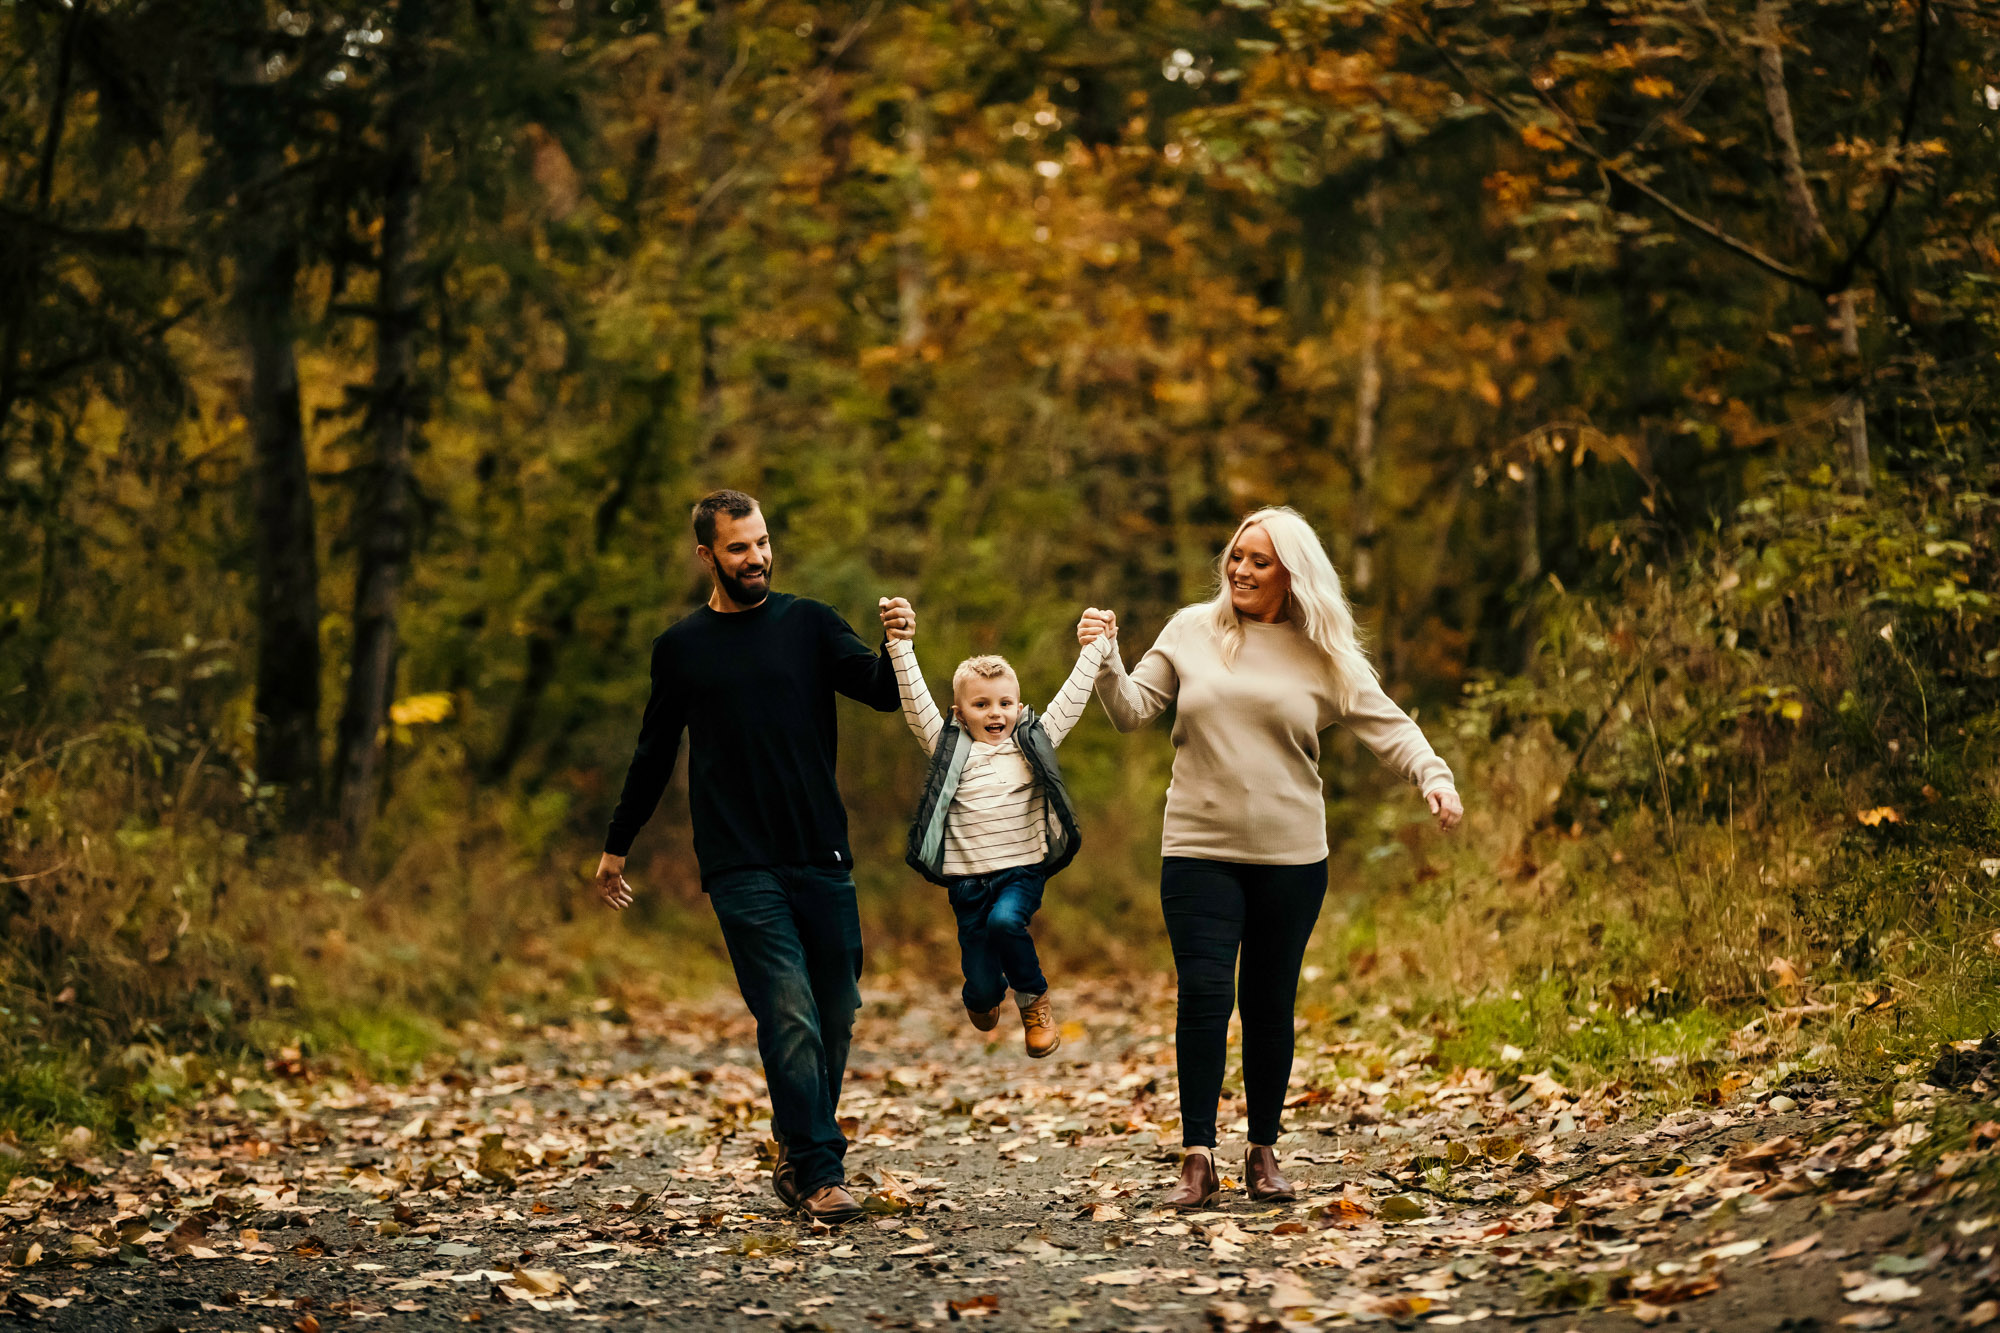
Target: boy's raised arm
{"x":918,"y":709}
{"x":1074,"y":696}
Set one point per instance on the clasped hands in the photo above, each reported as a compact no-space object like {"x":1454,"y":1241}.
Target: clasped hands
{"x":899,"y":621}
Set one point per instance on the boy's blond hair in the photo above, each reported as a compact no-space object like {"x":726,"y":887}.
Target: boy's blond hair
{"x":987,"y":666}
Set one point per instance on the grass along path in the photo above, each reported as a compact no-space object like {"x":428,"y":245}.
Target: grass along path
{"x":614,"y":1171}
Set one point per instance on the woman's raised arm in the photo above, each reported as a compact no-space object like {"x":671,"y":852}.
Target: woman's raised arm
{"x":1131,"y":700}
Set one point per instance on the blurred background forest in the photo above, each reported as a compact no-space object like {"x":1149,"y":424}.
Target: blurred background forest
{"x":358,"y":364}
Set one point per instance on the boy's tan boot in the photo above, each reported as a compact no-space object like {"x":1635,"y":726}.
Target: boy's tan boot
{"x":984,"y":1019}
{"x":1038,"y":1027}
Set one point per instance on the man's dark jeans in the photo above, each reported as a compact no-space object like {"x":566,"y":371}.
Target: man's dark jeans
{"x":993,"y":912}
{"x":795,"y":940}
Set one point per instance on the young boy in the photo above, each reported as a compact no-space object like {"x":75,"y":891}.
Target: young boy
{"x":995,"y":821}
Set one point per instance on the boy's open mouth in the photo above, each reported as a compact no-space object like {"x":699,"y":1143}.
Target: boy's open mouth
{"x":995,"y":728}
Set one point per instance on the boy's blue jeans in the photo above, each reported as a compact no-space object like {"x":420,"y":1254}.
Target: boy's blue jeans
{"x":993,"y":912}
{"x":794,"y":938}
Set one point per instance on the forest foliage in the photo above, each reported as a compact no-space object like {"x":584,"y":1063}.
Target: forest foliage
{"x":358,"y":365}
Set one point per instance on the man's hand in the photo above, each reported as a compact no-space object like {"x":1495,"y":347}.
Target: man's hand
{"x":1445,"y":805}
{"x":611,"y":885}
{"x":899,"y":620}
{"x":1097,"y":623}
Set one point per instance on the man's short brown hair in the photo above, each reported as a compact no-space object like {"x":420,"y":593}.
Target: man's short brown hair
{"x":733,"y":503}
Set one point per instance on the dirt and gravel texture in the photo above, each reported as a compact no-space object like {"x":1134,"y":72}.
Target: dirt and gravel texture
{"x":615,"y":1171}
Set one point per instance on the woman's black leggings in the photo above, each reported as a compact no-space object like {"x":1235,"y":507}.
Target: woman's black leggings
{"x":1215,"y":911}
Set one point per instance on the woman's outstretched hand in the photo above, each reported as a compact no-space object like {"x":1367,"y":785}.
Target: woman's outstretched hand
{"x":1445,"y":805}
{"x":1097,"y":623}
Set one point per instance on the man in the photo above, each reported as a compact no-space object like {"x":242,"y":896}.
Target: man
{"x":751,"y":676}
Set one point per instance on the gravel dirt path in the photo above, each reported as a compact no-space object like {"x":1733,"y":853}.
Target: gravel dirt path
{"x":614,"y":1170}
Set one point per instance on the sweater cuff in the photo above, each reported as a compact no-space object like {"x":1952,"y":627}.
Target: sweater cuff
{"x":1113,"y":661}
{"x":1438,"y":784}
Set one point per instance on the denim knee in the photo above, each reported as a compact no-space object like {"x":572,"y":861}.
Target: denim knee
{"x":1007,"y":920}
{"x":790,"y":1011}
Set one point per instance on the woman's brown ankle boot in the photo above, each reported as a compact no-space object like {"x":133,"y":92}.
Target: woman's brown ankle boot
{"x":1199,"y":1182}
{"x":1262,"y":1180}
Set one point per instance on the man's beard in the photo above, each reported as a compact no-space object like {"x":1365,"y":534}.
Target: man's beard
{"x":741,"y":593}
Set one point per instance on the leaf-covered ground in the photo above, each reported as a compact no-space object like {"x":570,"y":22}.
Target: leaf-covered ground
{"x":614,"y":1170}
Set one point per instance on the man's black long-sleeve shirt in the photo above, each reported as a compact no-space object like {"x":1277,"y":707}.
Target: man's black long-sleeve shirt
{"x":754,"y":691}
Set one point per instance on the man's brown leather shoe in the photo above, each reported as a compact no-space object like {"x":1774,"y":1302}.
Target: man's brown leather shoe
{"x":831,"y":1204}
{"x":1262,"y":1179}
{"x":785,"y":1180}
{"x":1199,"y":1181}
{"x":984,"y":1019}
{"x":1038,"y":1027}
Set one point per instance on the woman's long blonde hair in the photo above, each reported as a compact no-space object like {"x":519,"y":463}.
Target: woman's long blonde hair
{"x":1316,"y":605}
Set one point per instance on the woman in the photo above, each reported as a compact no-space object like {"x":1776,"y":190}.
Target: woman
{"x":1253,"y":676}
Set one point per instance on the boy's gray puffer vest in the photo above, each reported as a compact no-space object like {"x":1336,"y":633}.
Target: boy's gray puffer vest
{"x":926,"y":849}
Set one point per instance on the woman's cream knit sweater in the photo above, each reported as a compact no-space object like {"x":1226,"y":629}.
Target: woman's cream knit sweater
{"x":1246,"y":784}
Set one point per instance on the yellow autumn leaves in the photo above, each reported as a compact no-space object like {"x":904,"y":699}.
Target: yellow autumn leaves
{"x":418,"y":709}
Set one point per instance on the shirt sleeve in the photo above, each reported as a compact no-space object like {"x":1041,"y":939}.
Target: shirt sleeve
{"x":1066,"y":709}
{"x":918,"y":709}
{"x":652,"y":759}
{"x":1136,"y":699}
{"x":857,"y":671}
{"x":1396,"y":740}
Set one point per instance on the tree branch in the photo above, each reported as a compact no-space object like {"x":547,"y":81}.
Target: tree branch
{"x":45,"y":177}
{"x":131,"y":241}
{"x":1575,"y":141}
{"x":1680,"y":112}
{"x":1843,"y":272}
{"x":1686,"y":217}
{"x":47,"y":376}
{"x":785,"y":113}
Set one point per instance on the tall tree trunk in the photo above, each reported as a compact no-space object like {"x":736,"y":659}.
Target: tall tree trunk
{"x":910,"y":268}
{"x":1368,"y":403}
{"x":554,"y":620}
{"x":62,"y":550}
{"x":22,"y":265}
{"x":1529,"y":568}
{"x":284,"y":540}
{"x":1809,"y":226}
{"x":1856,"y":412}
{"x":1434,"y":569}
{"x":386,"y":520}
{"x":1190,"y":478}
{"x":1530,"y":540}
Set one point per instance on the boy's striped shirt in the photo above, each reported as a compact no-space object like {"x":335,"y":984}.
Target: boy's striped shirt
{"x":998,"y":817}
